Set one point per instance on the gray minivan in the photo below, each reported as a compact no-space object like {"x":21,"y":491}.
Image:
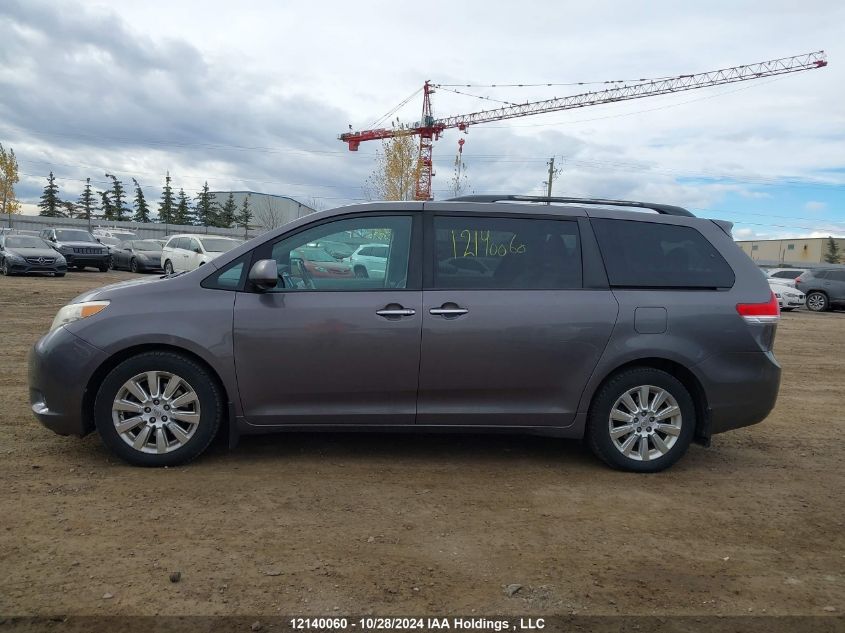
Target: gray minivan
{"x":640,"y":330}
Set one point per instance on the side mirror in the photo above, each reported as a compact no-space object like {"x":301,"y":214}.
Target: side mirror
{"x":52,"y":238}
{"x":198,"y":251}
{"x":264,"y":274}
{"x":99,"y":240}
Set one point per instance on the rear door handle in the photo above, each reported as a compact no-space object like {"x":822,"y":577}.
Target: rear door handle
{"x":448,"y":312}
{"x":396,"y":312}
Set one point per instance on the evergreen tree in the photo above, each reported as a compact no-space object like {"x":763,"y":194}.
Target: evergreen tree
{"x":831,"y":255}
{"x":206,"y":208}
{"x":166,"y":208}
{"x":183,"y":213}
{"x":50,"y":202}
{"x":118,"y":199}
{"x":229,"y":212}
{"x":86,"y":204}
{"x":142,"y":209}
{"x":244,"y":218}
{"x":107,"y":206}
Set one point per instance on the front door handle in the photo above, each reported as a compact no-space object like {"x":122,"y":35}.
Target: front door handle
{"x":396,"y":312}
{"x":448,"y":312}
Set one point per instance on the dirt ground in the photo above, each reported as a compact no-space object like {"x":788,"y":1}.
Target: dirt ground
{"x":402,"y":524}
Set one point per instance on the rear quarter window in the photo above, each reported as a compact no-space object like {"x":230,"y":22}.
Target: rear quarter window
{"x":655,"y":255}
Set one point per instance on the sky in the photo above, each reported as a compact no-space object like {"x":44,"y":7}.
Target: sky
{"x":252,"y":96}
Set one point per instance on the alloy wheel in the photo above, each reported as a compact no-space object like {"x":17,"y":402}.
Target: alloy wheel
{"x":816,"y":302}
{"x":156,"y":412}
{"x":645,"y":423}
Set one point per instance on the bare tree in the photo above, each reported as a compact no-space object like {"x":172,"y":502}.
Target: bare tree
{"x":267,"y":215}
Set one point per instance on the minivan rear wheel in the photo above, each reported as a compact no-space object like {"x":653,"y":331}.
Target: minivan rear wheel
{"x":641,"y":420}
{"x":158,"y":409}
{"x":817,"y":301}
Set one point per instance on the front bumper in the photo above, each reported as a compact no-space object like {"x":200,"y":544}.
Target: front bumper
{"x":96,"y":261}
{"x":60,"y":367}
{"x":741,"y":389}
{"x":23,"y":268}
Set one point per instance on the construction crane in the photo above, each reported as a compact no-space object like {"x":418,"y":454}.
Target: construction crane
{"x":429,"y":129}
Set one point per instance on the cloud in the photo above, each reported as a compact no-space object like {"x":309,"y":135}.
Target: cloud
{"x":252,"y":97}
{"x":813,"y":205}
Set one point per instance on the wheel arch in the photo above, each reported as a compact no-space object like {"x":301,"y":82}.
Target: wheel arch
{"x":115,"y":359}
{"x":687,"y":378}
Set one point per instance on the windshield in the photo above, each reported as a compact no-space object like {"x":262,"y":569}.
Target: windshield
{"x":66,"y":235}
{"x":218,"y":245}
{"x":146,"y":245}
{"x":313,"y":254}
{"x":24,"y":241}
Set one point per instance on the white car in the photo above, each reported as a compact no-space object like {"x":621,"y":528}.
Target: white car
{"x":186,"y":252}
{"x":788,"y":297}
{"x":369,"y":260}
{"x":117,"y":234}
{"x":785,"y":276}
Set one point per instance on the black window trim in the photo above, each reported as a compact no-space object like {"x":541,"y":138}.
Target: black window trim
{"x":429,"y":241}
{"x":414,"y":280}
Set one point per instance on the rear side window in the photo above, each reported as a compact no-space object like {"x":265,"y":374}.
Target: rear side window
{"x":506,"y":253}
{"x":652,"y":255}
{"x":787,"y":274}
{"x":836,"y":275}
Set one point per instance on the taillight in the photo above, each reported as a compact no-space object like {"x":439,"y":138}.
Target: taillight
{"x":768,"y":312}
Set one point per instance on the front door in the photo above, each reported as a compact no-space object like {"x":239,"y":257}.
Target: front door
{"x":510,"y":336}
{"x":327,"y":346}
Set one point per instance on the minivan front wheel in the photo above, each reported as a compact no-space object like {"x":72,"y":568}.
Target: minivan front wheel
{"x":168,"y":267}
{"x":642,"y":420}
{"x":158,"y":409}
{"x":817,"y":301}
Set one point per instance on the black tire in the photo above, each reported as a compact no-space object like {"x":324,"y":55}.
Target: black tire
{"x":58,"y":274}
{"x":361,"y":272}
{"x":111,"y":262}
{"x":103,"y":268}
{"x":598,"y":427}
{"x":133,"y":265}
{"x":817,"y":302}
{"x":4,"y":268}
{"x":208,"y":393}
{"x":168,"y":267}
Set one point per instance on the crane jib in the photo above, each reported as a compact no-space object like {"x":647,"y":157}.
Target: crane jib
{"x":429,"y":128}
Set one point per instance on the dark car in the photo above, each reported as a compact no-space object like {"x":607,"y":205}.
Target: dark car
{"x":138,"y":256}
{"x":79,"y":248}
{"x":824,"y":287}
{"x":22,"y":254}
{"x":638,"y":331}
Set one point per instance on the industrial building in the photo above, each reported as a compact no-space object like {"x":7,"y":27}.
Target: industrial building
{"x":793,"y":251}
{"x":269,"y":211}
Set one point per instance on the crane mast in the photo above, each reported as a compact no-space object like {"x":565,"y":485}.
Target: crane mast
{"x":429,"y":129}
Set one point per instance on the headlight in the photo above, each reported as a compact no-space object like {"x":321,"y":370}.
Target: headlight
{"x":77,"y":311}
{"x":14,"y":257}
{"x":320,"y":269}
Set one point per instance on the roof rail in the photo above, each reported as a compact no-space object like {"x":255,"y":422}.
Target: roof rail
{"x":664,"y":209}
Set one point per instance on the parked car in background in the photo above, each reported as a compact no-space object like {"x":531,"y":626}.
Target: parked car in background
{"x":186,"y":252}
{"x":316,"y":262}
{"x":824,"y":287}
{"x":788,"y":297}
{"x":338,"y":250}
{"x":639,"y":332}
{"x":79,"y":248}
{"x":119,"y":234}
{"x":22,"y":254}
{"x":369,"y":260}
{"x":137,"y":256}
{"x":785,"y":276}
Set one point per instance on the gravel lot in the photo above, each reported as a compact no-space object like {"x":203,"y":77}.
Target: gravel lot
{"x":401,"y":524}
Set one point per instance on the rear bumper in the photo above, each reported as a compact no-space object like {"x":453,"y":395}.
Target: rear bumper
{"x":60,"y":367}
{"x":741,"y":389}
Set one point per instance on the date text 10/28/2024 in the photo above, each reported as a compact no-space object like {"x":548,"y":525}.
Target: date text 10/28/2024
{"x":372,"y":623}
